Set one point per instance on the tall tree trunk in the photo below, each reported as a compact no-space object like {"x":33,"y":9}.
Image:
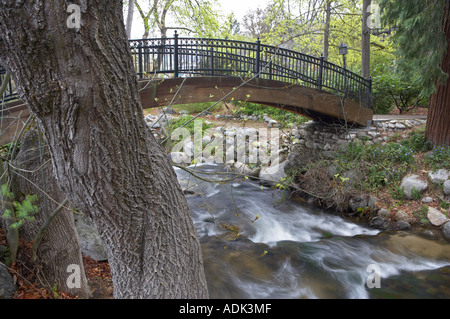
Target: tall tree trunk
{"x":130,"y":18}
{"x":365,"y":41}
{"x":326,"y":38}
{"x":59,"y":248}
{"x":438,"y":123}
{"x":81,"y":85}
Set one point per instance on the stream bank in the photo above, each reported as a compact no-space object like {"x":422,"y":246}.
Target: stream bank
{"x":303,"y":159}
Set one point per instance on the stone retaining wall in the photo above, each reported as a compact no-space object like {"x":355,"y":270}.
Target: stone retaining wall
{"x":328,"y":138}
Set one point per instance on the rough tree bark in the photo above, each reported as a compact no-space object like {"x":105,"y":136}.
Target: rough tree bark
{"x":81,"y":85}
{"x":438,"y":122}
{"x":59,"y":247}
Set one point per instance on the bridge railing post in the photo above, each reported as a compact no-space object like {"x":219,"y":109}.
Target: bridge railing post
{"x":175,"y":57}
{"x":258,"y":58}
{"x":369,"y":93}
{"x":212,"y":60}
{"x":320,"y":77}
{"x":140,"y":62}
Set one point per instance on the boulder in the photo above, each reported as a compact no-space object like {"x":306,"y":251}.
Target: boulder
{"x":90,"y":242}
{"x":379,"y":222}
{"x":384,"y":213}
{"x":362,"y":202}
{"x":169,"y":110}
{"x":7,"y":287}
{"x":446,"y":230}
{"x":436,"y":217}
{"x":439,"y":176}
{"x":402,"y":216}
{"x":427,"y":200}
{"x":401,"y":225}
{"x":241,"y":168}
{"x":356,"y":203}
{"x":179,"y":158}
{"x":447,"y":188}
{"x":413,"y":182}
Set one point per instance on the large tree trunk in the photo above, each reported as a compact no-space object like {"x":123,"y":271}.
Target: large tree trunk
{"x":326,"y":33}
{"x":365,"y":41}
{"x":438,"y":123}
{"x":130,"y":16}
{"x":59,"y":248}
{"x":81,"y":86}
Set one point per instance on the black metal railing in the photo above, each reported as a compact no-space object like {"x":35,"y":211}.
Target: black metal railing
{"x":187,"y":57}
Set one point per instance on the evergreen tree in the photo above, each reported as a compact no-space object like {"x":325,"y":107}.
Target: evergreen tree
{"x":422,"y":39}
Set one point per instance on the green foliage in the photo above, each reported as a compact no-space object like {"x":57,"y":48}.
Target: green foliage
{"x":55,"y":291}
{"x":23,"y":211}
{"x":420,"y":39}
{"x":195,"y":108}
{"x":383,"y":165}
{"x":188,"y":123}
{"x":199,"y":17}
{"x":439,"y":157}
{"x":445,"y":204}
{"x":7,"y":148}
{"x":417,"y":141}
{"x":392,"y":90}
{"x":421,"y":214}
{"x":282,"y":116}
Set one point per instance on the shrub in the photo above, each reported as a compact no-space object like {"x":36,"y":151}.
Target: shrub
{"x":391,"y":90}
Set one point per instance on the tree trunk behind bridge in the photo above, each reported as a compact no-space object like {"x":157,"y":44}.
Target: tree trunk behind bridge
{"x":438,"y":123}
{"x":81,"y":85}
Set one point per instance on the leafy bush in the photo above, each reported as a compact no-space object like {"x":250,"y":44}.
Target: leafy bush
{"x":23,"y":211}
{"x":390,"y":90}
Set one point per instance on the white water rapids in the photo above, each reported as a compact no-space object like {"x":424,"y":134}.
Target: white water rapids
{"x":287,"y":249}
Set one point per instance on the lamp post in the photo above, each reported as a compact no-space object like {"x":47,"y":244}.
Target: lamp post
{"x":343,"y":50}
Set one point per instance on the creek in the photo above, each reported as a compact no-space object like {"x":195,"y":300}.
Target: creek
{"x":258,"y":243}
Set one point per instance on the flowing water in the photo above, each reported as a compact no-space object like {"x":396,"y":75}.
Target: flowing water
{"x":259,"y":244}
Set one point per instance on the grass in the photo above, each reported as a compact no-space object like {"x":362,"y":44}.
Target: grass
{"x":281,"y":116}
{"x":195,"y":108}
{"x":385,"y":165}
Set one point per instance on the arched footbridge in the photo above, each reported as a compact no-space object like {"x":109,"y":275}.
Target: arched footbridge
{"x":182,"y":70}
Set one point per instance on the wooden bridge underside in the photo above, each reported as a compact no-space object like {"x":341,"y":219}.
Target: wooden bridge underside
{"x":314,"y":104}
